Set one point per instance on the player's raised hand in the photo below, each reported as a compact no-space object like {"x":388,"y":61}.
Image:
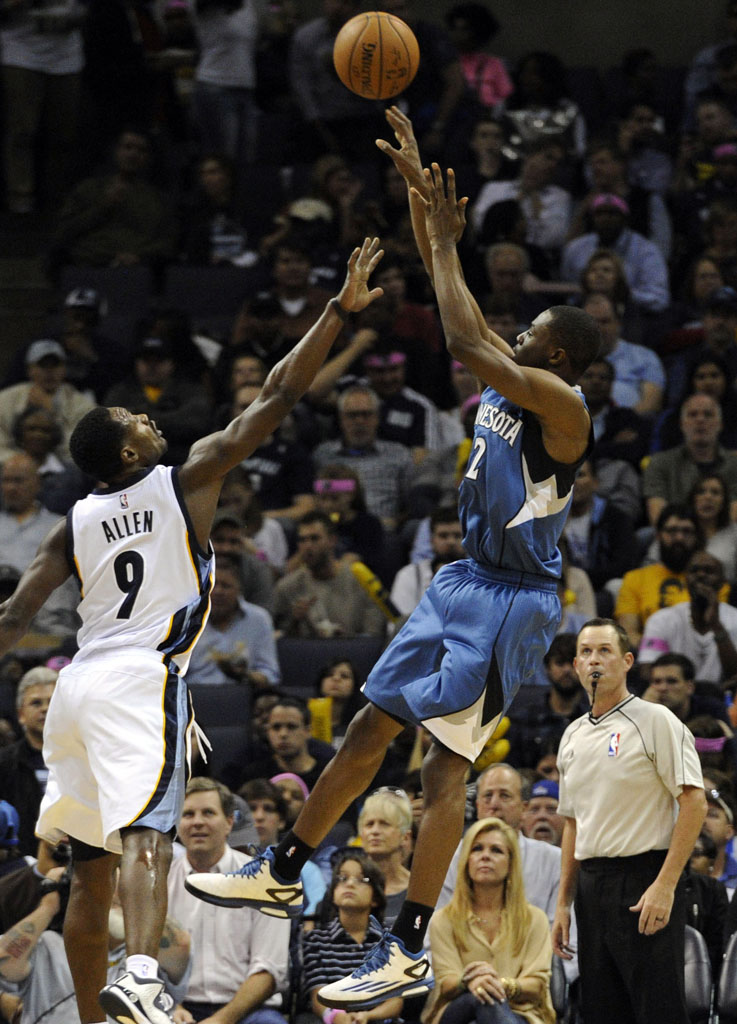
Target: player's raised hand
{"x":445,"y":215}
{"x":407,"y":157}
{"x":355,"y":293}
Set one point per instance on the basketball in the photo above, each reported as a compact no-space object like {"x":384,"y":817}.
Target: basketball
{"x":376,"y":55}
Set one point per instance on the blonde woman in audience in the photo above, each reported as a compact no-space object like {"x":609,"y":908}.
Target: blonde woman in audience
{"x":491,"y":949}
{"x":385,"y":830}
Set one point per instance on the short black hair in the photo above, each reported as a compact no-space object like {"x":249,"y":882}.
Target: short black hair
{"x":297,"y":704}
{"x":563,"y":648}
{"x":678,"y":511}
{"x":577,"y":333}
{"x":316,"y":516}
{"x":264,"y":789}
{"x":443,"y":514}
{"x":96,"y":443}
{"x":672,"y":658}
{"x":481,"y":21}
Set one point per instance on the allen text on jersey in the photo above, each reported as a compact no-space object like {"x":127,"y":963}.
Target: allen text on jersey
{"x":127,"y":525}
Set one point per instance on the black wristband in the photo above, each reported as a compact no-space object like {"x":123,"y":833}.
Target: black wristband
{"x":343,"y":314}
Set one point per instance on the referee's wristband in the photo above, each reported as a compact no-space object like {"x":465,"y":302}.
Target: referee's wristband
{"x":341,"y":313}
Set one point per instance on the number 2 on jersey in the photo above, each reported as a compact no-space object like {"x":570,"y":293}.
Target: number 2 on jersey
{"x":479,"y":448}
{"x":129,"y":576}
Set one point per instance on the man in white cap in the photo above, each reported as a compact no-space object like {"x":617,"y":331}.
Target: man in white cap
{"x":45,"y":388}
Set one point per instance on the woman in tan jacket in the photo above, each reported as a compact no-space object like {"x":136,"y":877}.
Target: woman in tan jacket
{"x":491,"y":950}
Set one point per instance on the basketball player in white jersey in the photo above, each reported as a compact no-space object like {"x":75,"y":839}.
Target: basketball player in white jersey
{"x":117,"y":732}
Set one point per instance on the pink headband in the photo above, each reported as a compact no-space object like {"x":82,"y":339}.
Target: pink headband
{"x":726,"y":149}
{"x":609,"y":199}
{"x":455,"y":365}
{"x":291,"y":777}
{"x":712,"y":746}
{"x":380,"y":362}
{"x":469,"y":404}
{"x":334,"y":486}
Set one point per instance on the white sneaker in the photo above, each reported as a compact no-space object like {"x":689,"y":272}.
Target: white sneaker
{"x":133,"y":1000}
{"x":388,"y":970}
{"x":256,"y":885}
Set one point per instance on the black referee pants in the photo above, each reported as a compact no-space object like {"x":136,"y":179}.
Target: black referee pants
{"x":626,"y":977}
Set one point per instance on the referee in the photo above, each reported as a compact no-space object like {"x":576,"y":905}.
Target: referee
{"x":632,"y":796}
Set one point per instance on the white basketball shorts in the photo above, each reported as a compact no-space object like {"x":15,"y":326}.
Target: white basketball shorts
{"x":115,"y":744}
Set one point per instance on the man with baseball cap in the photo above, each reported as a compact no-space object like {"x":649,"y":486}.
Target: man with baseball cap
{"x":644,"y":265}
{"x":719,"y":825}
{"x":541,"y":819}
{"x":45,"y":387}
{"x":156,"y":387}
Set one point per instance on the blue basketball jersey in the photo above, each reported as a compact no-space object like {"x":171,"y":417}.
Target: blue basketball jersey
{"x":514,"y":498}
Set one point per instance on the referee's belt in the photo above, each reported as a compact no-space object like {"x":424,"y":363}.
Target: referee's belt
{"x":615,"y":865}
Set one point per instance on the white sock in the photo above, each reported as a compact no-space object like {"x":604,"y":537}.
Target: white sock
{"x":142,"y":966}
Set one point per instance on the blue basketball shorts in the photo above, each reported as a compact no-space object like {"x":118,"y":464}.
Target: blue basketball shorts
{"x":456,"y":664}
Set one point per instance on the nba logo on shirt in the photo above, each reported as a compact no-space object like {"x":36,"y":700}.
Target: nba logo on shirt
{"x":614,"y":744}
{"x":124,"y":501}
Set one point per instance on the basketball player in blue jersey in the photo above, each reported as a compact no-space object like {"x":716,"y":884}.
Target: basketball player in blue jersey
{"x":116,"y":738}
{"x":484,"y":623}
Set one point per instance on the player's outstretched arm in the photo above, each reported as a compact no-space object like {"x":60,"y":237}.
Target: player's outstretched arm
{"x":213,"y":456}
{"x":561,"y":412}
{"x":48,"y":570}
{"x":407,"y":161}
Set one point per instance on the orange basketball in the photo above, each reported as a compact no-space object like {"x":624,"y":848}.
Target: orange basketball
{"x":376,"y":55}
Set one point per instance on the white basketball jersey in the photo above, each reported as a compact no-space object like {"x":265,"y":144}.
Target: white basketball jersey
{"x":145,"y":581}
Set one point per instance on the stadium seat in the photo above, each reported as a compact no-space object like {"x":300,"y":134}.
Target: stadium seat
{"x":697,"y":976}
{"x":229,"y":746}
{"x":125,"y":292}
{"x":727,"y":990}
{"x":301,"y":659}
{"x":558,"y":988}
{"x":211,"y":295}
{"x":221,"y":705}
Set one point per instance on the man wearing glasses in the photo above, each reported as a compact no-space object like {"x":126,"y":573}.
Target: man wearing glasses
{"x":383,"y":466}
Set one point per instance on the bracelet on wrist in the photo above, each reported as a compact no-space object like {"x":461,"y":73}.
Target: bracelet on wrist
{"x":511,"y":987}
{"x":341,"y":313}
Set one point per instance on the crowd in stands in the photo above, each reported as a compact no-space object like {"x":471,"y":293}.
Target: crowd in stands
{"x":206,"y":177}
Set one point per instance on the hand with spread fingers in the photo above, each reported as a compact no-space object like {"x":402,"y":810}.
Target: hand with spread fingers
{"x":445,"y":216}
{"x":355,"y":294}
{"x":407,"y":157}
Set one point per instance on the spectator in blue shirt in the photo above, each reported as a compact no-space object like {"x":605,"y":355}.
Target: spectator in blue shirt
{"x":644,"y":265}
{"x":639,"y":376}
{"x":237,"y":644}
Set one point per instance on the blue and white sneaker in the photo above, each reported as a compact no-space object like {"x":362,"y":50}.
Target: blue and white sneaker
{"x":133,"y":1000}
{"x":388,"y":970}
{"x":256,"y":885}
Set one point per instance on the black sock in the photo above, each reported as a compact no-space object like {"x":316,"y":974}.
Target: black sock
{"x":411,"y":925}
{"x":290,"y":856}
